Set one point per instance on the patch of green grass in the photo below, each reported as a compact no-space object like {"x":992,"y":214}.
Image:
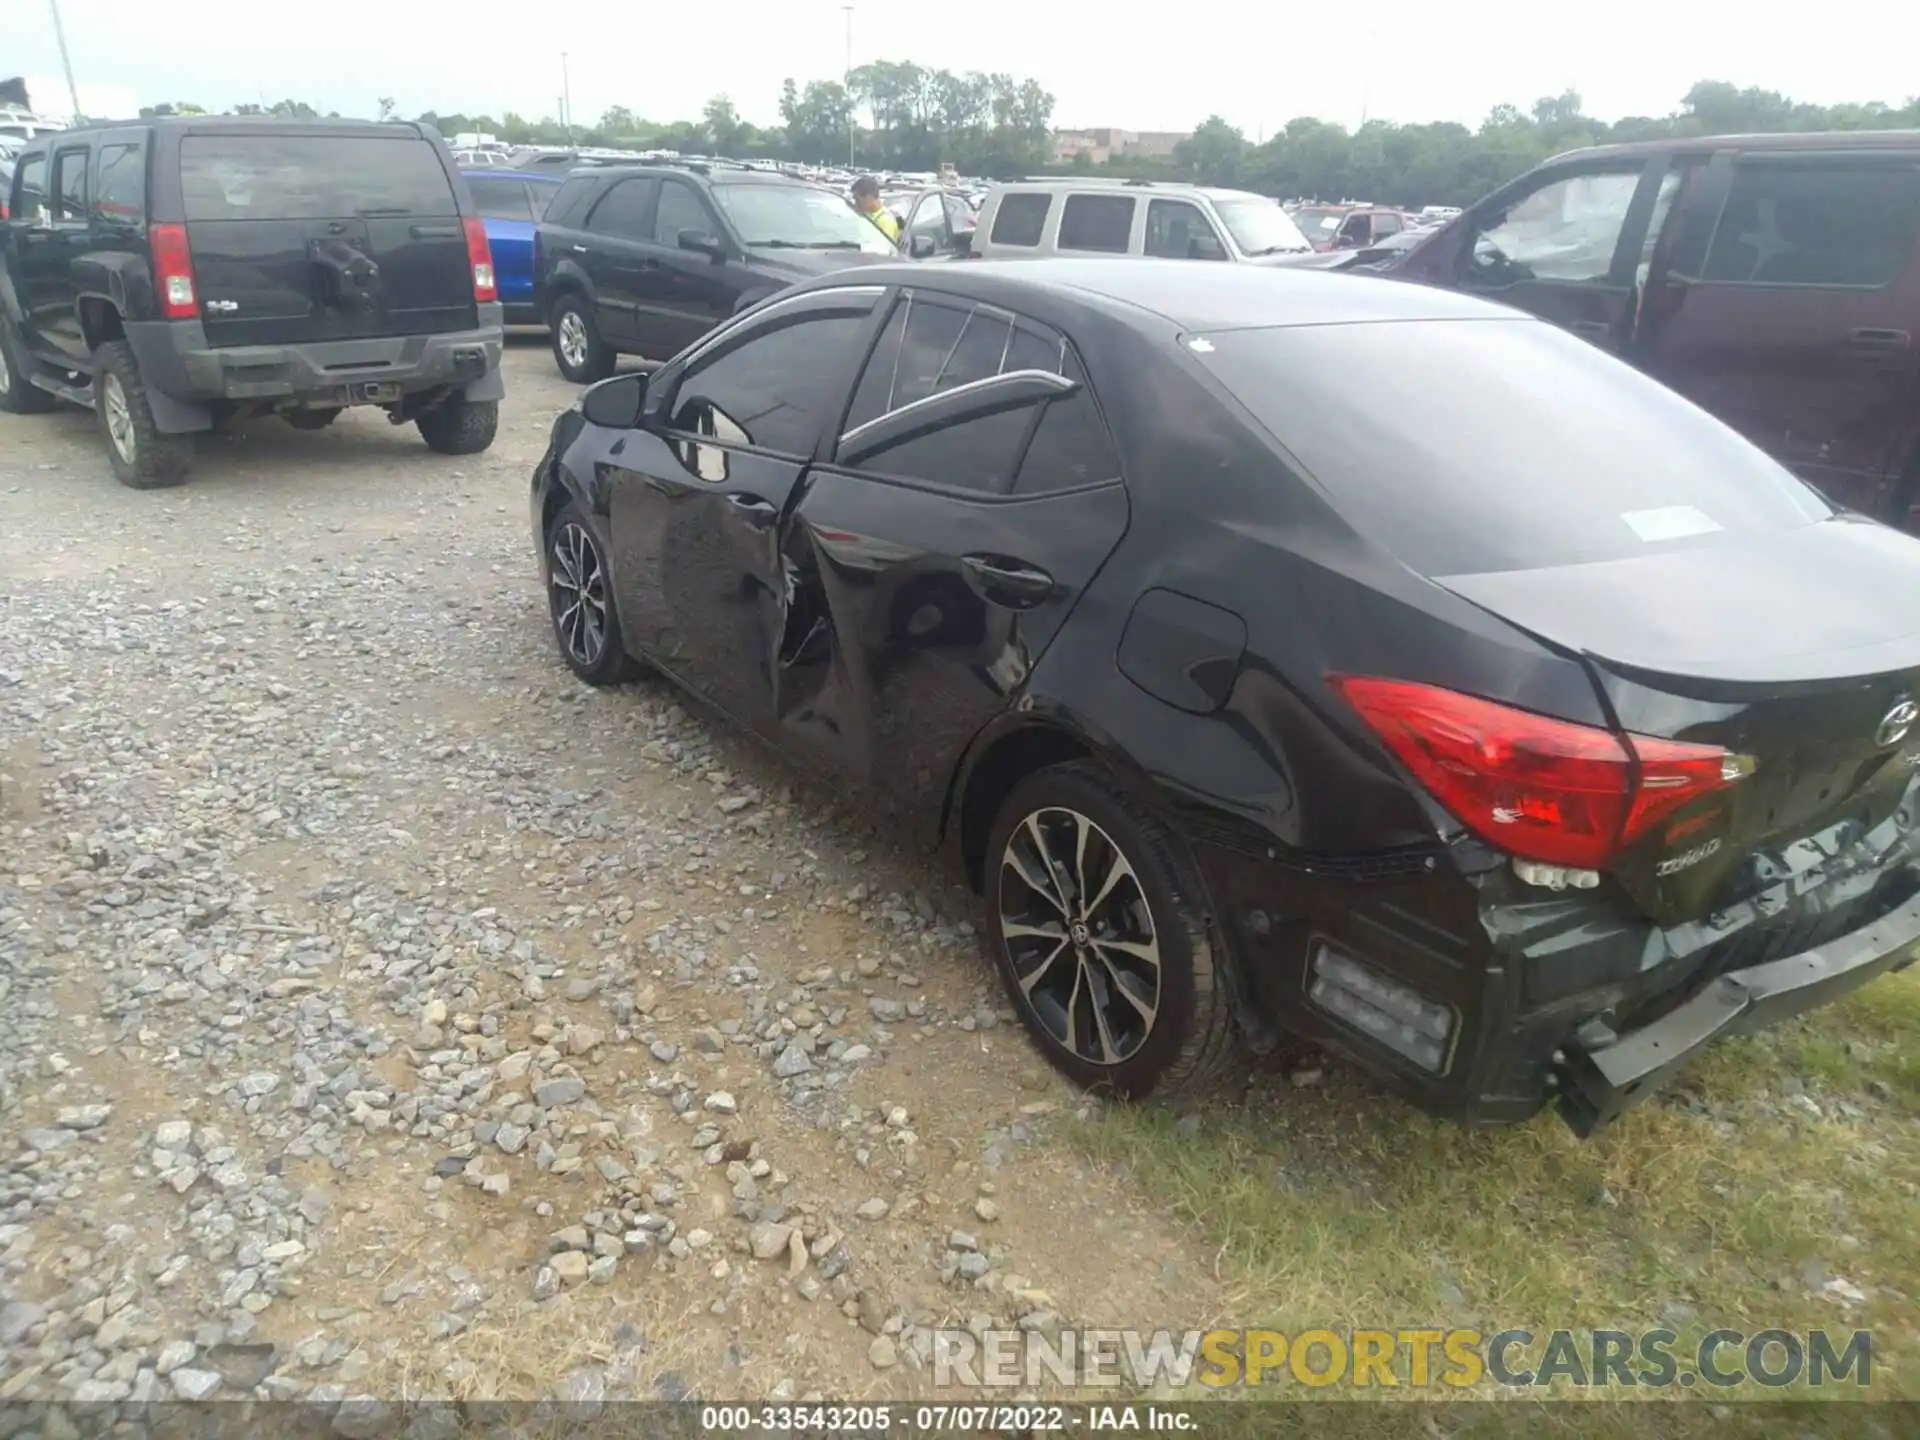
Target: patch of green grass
{"x":1339,"y":1208}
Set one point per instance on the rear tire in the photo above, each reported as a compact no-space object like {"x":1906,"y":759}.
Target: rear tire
{"x":1133,"y":997}
{"x":583,"y":357}
{"x":459,"y":426}
{"x":143,"y":458}
{"x":18,"y":395}
{"x":586,"y":627}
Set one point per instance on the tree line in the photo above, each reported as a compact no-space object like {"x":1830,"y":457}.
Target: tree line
{"x":902,"y":116}
{"x":1445,"y":163}
{"x":891,"y":114}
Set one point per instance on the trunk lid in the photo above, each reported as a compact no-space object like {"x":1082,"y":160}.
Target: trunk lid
{"x":298,"y":238}
{"x":1797,"y":649}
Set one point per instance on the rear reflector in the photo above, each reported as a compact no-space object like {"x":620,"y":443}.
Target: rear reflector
{"x":1539,"y":788}
{"x":173,"y":272}
{"x":480,"y":257}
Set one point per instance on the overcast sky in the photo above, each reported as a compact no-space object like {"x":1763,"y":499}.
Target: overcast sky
{"x":1139,"y":66}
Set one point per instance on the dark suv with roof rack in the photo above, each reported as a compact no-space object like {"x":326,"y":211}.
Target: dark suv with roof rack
{"x":178,"y":274}
{"x":645,"y":259}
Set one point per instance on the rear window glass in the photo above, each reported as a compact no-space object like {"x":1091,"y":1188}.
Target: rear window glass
{"x":1486,"y":445}
{"x":498,"y":198}
{"x":306,"y":177}
{"x":1020,"y":219}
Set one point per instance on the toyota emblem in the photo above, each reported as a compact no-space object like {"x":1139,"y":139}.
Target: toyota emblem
{"x":1899,"y":720}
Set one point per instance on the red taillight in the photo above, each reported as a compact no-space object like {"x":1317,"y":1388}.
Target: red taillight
{"x":1539,"y":788}
{"x":480,"y":257}
{"x":173,"y":271}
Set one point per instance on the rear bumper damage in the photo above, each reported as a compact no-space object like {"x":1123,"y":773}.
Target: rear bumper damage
{"x":1485,"y":1000}
{"x":1600,"y":1079}
{"x":186,"y":378}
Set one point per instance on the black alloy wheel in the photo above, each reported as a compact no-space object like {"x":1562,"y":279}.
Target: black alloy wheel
{"x":580,"y":602}
{"x":1099,"y":938}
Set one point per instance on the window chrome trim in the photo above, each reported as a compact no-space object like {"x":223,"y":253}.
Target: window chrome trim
{"x":1059,"y":384}
{"x":785,"y":302}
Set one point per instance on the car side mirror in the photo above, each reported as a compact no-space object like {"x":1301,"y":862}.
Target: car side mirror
{"x":615,"y":404}
{"x":703,"y":242}
{"x":922,"y":247}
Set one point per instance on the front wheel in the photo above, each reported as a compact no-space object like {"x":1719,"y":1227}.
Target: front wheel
{"x":586,"y":626}
{"x":1101,"y":939}
{"x":459,"y":426}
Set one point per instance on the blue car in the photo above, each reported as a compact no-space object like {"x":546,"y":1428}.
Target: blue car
{"x":512,"y":202}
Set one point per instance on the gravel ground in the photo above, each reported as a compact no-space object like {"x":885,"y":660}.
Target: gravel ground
{"x":384,"y":1015}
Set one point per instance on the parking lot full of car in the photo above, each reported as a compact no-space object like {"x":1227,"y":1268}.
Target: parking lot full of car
{"x":1213,"y":613}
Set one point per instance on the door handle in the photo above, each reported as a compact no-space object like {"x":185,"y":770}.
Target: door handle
{"x":649,"y":264}
{"x":1591,"y":329}
{"x":1011,"y":583}
{"x":753,"y":509}
{"x":432,"y":232}
{"x":1879,"y":342}
{"x":579,"y":249}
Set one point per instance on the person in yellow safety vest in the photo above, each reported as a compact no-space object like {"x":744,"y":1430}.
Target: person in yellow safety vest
{"x":866,"y":199}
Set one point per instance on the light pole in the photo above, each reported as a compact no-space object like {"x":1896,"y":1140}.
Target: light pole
{"x":566,"y":98}
{"x":66,"y":64}
{"x":853,"y":120}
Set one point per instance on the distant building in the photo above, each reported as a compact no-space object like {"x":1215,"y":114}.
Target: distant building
{"x":1104,"y":144}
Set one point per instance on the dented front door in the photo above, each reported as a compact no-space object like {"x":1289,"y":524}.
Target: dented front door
{"x":696,"y":496}
{"x":934,"y":559}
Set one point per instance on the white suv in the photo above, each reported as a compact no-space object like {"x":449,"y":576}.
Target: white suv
{"x":1134,"y":217}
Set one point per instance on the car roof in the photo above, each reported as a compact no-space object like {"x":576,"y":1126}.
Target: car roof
{"x":1190,"y":297}
{"x":718,"y":173}
{"x":240,"y":124}
{"x":539,"y":177}
{"x":1706,"y":144}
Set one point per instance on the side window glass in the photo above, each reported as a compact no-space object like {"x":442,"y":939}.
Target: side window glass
{"x":1177,"y":230}
{"x":1021,"y":219}
{"x":928,"y":219}
{"x":539,"y":197}
{"x":1657,"y":226}
{"x":1568,"y":229}
{"x":1804,"y":224}
{"x":774,"y":390}
{"x":872,"y":397}
{"x":120,"y":191}
{"x":30,"y":190}
{"x":70,"y":185}
{"x":977,"y":453}
{"x":1102,"y":223}
{"x":622,"y":211}
{"x":1071,"y":446}
{"x":1033,"y":349}
{"x":680,"y":209}
{"x":959,"y":217}
{"x":1384,"y":225}
{"x":976,"y":355}
{"x":932,"y":332}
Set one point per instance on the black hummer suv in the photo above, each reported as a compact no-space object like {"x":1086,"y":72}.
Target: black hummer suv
{"x":177,"y":275}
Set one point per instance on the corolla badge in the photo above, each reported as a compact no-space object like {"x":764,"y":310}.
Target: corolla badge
{"x":1687,"y":861}
{"x":1897,"y":722}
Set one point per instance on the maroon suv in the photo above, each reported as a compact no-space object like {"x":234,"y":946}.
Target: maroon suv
{"x":1772,"y":279}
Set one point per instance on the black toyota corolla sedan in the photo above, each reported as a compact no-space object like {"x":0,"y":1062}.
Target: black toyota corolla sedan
{"x":1281,"y":656}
